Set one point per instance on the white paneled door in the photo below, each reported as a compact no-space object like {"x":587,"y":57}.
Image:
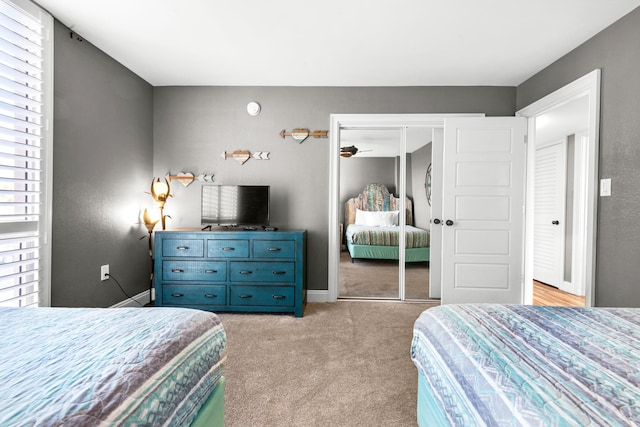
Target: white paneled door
{"x":549,"y":214}
{"x":483,"y":210}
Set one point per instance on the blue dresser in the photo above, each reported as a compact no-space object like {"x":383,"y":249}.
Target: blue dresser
{"x":241,"y":271}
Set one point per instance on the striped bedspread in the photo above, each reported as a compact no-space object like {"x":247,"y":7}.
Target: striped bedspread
{"x":386,"y":236}
{"x":111,"y":366}
{"x":513,"y":365}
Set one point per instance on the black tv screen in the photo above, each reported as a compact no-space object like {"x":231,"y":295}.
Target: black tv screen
{"x":234,"y":205}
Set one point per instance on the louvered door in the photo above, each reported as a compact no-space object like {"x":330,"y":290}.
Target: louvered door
{"x":549,"y":214}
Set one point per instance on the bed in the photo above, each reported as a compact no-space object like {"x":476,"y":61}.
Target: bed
{"x":372,"y":227}
{"x":111,"y":366}
{"x":499,"y":365}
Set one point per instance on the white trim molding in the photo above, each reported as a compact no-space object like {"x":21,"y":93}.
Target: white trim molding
{"x":136,"y":301}
{"x":317,"y":295}
{"x":587,"y":85}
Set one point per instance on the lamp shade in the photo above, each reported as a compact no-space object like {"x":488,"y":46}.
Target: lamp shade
{"x":149,"y":221}
{"x":160,"y":191}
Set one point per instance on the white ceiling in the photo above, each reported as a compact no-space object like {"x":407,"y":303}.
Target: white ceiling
{"x":564,"y":120}
{"x":383,"y":142}
{"x":337,"y":42}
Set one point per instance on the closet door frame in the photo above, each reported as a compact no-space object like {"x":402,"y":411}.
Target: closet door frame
{"x":366,"y":121}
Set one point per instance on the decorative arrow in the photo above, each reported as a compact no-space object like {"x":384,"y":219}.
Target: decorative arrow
{"x":301,"y":134}
{"x":242,"y":156}
{"x":186,"y":178}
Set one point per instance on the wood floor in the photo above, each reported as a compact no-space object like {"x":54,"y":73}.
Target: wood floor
{"x":548,"y":295}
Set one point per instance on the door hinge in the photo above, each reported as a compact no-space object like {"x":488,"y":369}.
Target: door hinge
{"x":526,"y":139}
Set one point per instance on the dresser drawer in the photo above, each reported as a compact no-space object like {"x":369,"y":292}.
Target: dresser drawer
{"x":231,"y":270}
{"x":273,"y":296}
{"x":228,"y":248}
{"x":183,"y":248}
{"x":256,"y":271}
{"x":194,"y":294}
{"x":274,"y":249}
{"x":210,"y":271}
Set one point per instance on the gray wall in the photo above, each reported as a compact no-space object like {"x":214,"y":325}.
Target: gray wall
{"x":107,"y":128}
{"x":356,"y":173}
{"x":420,"y":161}
{"x":102,"y":164}
{"x":616,"y":51}
{"x":193,"y":125}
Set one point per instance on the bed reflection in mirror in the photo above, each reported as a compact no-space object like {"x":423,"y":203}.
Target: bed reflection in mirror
{"x":372,"y":219}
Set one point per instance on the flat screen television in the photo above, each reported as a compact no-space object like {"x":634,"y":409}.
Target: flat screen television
{"x":235,"y":205}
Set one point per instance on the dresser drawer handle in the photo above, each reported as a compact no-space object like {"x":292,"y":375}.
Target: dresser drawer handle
{"x":246,"y":271}
{"x":177,"y":295}
{"x":210,"y":296}
{"x":228,"y":249}
{"x":278,"y":296}
{"x":246,"y":296}
{"x":177,"y":270}
{"x":182,"y":248}
{"x":279,"y":272}
{"x":211,"y":271}
{"x":274,"y":249}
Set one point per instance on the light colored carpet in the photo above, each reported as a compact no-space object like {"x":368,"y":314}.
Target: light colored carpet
{"x":343,"y":364}
{"x":379,"y":279}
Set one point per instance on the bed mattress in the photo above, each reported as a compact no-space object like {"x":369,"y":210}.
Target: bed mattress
{"x":386,"y":236}
{"x":118,"y":366}
{"x":526,"y":365}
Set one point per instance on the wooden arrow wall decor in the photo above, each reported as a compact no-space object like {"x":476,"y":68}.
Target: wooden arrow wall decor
{"x":301,"y":134}
{"x":242,"y":156}
{"x":186,"y":178}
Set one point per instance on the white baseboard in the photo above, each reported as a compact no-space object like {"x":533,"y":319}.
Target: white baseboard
{"x":317,"y":295}
{"x":140,"y":300}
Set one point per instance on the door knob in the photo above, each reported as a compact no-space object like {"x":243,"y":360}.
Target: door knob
{"x":436,"y":221}
{"x":449,"y":222}
{"x":556,"y":222}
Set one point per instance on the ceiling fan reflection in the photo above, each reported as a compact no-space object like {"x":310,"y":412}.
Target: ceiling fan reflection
{"x":351,"y":151}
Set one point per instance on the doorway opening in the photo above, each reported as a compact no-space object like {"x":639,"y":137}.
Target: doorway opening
{"x":570,"y":117}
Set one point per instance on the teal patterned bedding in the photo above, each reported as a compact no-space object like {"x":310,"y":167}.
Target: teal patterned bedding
{"x":112,"y":366}
{"x":516,"y":365}
{"x":386,"y":236}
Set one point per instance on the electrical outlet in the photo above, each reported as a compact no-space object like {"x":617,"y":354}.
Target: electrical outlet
{"x":104,"y":272}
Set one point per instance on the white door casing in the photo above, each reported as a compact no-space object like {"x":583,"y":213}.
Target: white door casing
{"x":577,"y":285}
{"x":584,"y":249}
{"x":550,"y":213}
{"x":483,"y":210}
{"x":435,"y":236}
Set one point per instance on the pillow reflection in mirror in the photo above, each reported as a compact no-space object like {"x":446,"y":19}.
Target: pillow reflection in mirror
{"x":377,"y":218}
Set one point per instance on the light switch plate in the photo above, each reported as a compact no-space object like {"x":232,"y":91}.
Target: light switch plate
{"x":605,"y":187}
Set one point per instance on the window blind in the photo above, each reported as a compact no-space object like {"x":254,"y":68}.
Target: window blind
{"x":22,"y":114}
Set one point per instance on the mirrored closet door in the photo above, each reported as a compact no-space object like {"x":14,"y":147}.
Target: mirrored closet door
{"x":383,"y":206}
{"x":418,"y":167}
{"x":369,"y":265}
